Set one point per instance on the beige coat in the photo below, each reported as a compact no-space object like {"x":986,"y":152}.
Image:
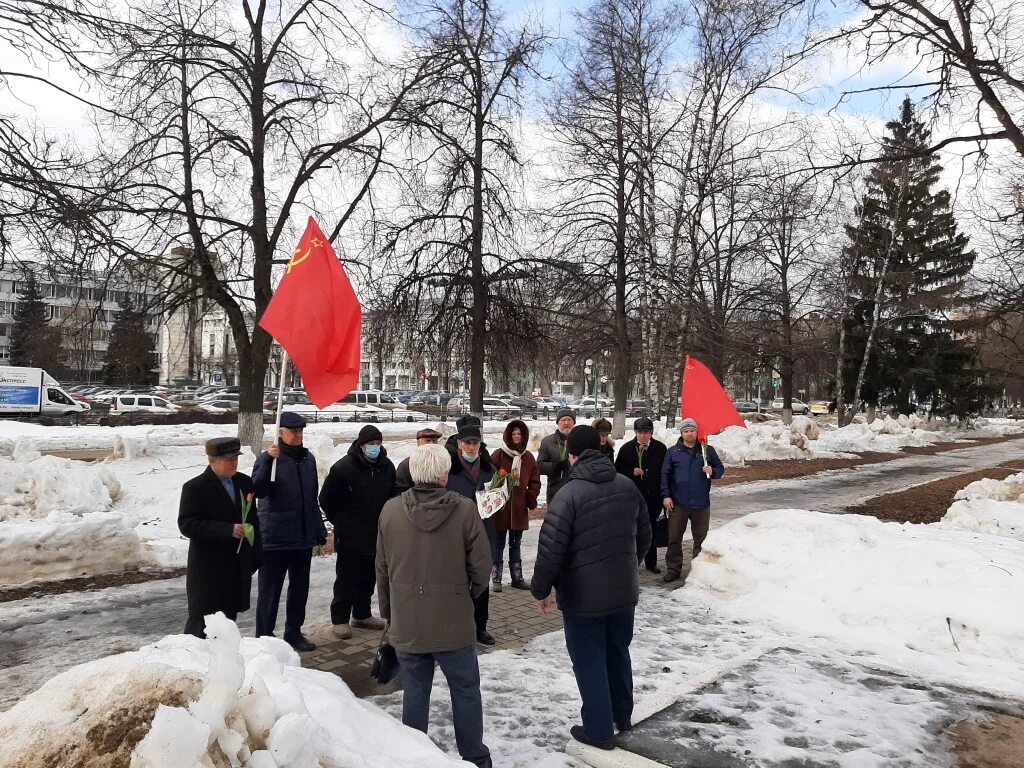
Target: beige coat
{"x":433,"y":558}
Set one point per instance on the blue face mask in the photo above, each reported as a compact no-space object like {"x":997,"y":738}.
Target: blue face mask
{"x":371,"y":451}
{"x":470,"y":459}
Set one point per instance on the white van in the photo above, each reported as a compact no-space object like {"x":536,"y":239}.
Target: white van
{"x":373,"y":397}
{"x":147,"y":403}
{"x":32,"y":391}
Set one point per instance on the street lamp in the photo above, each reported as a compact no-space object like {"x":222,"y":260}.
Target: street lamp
{"x":587,"y":372}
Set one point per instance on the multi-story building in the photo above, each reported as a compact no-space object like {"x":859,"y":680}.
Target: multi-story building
{"x":83,"y":308}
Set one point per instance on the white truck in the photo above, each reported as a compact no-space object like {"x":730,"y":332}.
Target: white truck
{"x":34,"y":392}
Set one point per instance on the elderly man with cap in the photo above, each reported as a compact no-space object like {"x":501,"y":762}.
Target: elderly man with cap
{"x":640,"y":460}
{"x":403,"y":476}
{"x":291,"y":525}
{"x":686,"y":476}
{"x":354,"y":493}
{"x":472,"y":471}
{"x":553,"y":456}
{"x":593,"y":537}
{"x":221,"y":558}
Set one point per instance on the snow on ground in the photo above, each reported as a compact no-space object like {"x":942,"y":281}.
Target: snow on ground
{"x":990,"y":506}
{"x":248,"y":701}
{"x":926,"y":597}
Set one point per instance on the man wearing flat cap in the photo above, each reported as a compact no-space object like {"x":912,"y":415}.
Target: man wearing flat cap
{"x":403,"y":475}
{"x":221,"y":557}
{"x":640,"y":460}
{"x":359,"y":485}
{"x":686,"y":476}
{"x":553,"y":456}
{"x":291,"y":525}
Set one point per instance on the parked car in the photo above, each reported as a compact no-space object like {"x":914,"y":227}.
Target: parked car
{"x":589,"y":407}
{"x":372,"y":397}
{"x":148,"y":403}
{"x":799,"y":406}
{"x":546,"y":405}
{"x":820,"y":407}
{"x":493,"y":408}
{"x":746,"y":406}
{"x":637,"y":408}
{"x":521,"y":401}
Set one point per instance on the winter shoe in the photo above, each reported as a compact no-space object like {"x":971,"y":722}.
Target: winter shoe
{"x":517,"y":576}
{"x":485,"y":638}
{"x":342,"y":631}
{"x":370,"y":622}
{"x":580,"y":735}
{"x":496,"y":577}
{"x":653,"y":569}
{"x":668,"y":578}
{"x":299,"y":643}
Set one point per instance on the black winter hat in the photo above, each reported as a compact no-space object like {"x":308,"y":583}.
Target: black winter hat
{"x":469,"y":420}
{"x":292,"y":420}
{"x":469,"y":432}
{"x":368,"y":434}
{"x":563,"y":412}
{"x":643,"y":423}
{"x":582,"y":438}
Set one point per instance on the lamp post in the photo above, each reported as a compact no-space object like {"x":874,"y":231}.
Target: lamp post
{"x":588,"y":371}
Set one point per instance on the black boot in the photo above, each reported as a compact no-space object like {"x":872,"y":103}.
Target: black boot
{"x":517,"y":576}
{"x":496,"y":577}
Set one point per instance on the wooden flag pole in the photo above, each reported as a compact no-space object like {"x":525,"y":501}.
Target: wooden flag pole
{"x":280,"y":400}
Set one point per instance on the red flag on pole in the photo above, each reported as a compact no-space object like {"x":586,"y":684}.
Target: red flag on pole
{"x":705,"y":401}
{"x":315,"y":315}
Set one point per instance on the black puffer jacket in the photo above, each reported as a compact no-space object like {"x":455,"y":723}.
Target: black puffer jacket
{"x":354,"y":493}
{"x":594,"y":535}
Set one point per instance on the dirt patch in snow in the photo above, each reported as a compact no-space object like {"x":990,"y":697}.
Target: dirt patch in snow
{"x":86,"y":583}
{"x":928,"y":502}
{"x":995,"y":742}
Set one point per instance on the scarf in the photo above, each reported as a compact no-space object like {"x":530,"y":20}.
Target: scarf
{"x":472,"y":470}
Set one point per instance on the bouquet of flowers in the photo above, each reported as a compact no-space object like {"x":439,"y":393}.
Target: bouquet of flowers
{"x":494,"y":496}
{"x":248,"y":532}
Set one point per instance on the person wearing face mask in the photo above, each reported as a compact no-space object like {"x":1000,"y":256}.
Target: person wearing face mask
{"x":553,"y":456}
{"x":640,"y":460}
{"x":354,"y":493}
{"x":472,"y":471}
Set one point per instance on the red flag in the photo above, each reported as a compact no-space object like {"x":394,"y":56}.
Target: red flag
{"x":704,"y":401}
{"x":315,"y":315}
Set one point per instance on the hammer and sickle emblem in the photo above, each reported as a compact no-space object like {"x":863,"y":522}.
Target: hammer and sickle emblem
{"x":296,"y":259}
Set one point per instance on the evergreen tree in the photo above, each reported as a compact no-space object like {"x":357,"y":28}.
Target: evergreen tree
{"x":34,"y":343}
{"x":131,"y":355}
{"x":908,"y":265}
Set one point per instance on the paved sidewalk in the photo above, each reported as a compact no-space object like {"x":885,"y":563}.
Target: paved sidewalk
{"x":514,"y":621}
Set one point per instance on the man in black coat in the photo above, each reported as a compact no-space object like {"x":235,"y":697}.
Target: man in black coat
{"x":221,"y":560}
{"x":403,"y":476}
{"x":594,"y":534}
{"x":354,"y":493}
{"x":640,"y":460}
{"x":292,"y":527}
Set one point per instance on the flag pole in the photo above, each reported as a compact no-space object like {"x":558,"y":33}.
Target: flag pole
{"x":280,"y":400}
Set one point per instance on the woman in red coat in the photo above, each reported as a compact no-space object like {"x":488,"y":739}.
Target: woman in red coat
{"x":523,"y":477}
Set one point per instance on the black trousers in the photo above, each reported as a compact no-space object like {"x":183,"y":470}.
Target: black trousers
{"x":278,"y":563}
{"x":197,"y":626}
{"x":482,"y":604}
{"x":355,"y":578}
{"x":651,"y":558}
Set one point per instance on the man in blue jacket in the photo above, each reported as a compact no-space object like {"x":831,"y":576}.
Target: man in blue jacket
{"x":686,"y":476}
{"x":291,"y":527}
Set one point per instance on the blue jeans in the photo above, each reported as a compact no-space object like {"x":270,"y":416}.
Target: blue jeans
{"x":515,"y":549}
{"x":461,"y":670}
{"x":599,"y":649}
{"x":278,"y":563}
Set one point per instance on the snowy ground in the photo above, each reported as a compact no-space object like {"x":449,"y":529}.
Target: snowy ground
{"x":990,"y":506}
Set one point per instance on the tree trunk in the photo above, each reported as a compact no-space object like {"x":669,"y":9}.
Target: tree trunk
{"x":478,"y":314}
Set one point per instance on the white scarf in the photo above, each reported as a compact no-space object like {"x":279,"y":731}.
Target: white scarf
{"x":517,"y":457}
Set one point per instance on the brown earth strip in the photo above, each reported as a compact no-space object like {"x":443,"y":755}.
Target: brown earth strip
{"x":928,"y":502}
{"x":995,"y":742}
{"x":86,"y":583}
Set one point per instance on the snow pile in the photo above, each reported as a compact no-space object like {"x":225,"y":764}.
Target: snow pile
{"x":990,"y":506}
{"x":885,"y":435}
{"x":57,"y":520}
{"x":764,"y":442}
{"x":869,"y":584}
{"x":224,"y":702}
{"x":127,"y":447}
{"x":993,"y":427}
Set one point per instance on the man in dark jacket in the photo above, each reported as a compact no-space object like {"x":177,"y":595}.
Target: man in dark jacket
{"x":686,"y":476}
{"x":221,"y":560}
{"x":593,"y":537}
{"x":403,"y":477}
{"x":640,"y":460}
{"x":291,"y":526}
{"x":432,"y":558}
{"x":354,"y":493}
{"x":471,"y":471}
{"x":553,"y":457}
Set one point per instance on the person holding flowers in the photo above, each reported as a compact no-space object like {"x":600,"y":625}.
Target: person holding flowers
{"x":521,"y":475}
{"x":553,"y":456}
{"x":217,"y":516}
